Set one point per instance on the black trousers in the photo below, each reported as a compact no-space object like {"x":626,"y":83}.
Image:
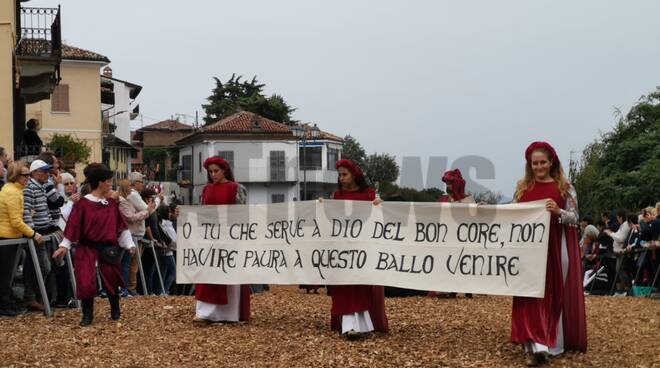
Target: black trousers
{"x":7,"y":255}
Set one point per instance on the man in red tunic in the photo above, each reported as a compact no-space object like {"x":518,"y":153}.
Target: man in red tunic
{"x":356,"y":309}
{"x":221,"y":303}
{"x":546,"y":326}
{"x":96,"y":226}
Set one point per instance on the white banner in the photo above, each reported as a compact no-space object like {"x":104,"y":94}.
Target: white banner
{"x":468,"y":248}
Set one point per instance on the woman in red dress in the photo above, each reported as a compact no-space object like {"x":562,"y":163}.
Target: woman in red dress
{"x":546,"y":326}
{"x":221,"y":303}
{"x":356,"y":309}
{"x":96,"y":226}
{"x":455,"y":188}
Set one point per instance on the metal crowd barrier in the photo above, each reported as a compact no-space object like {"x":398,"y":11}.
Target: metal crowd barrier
{"x":21,"y":243}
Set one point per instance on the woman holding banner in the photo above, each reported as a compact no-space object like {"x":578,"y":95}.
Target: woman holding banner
{"x":455,"y":188}
{"x":221,"y":303}
{"x":546,"y":326}
{"x":356,"y":309}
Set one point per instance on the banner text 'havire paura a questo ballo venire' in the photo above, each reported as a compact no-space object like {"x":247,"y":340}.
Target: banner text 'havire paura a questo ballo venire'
{"x":485,"y":249}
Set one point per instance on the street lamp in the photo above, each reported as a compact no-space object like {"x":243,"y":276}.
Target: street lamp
{"x":302,"y":132}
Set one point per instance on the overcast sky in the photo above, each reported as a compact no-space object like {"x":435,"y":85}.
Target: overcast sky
{"x":410,"y":78}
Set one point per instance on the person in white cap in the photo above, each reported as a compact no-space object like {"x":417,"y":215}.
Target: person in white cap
{"x":36,"y":215}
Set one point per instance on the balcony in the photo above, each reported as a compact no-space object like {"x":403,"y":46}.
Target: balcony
{"x":38,"y":52}
{"x":39,"y":33}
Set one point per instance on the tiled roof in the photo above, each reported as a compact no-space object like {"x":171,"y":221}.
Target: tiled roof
{"x":248,"y":123}
{"x":43,"y":48}
{"x":75,"y":53}
{"x":322,"y":135}
{"x":167,"y":125}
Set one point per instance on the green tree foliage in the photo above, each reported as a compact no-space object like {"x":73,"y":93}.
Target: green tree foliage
{"x":378,"y":168}
{"x":392,"y":192}
{"x":488,"y":197}
{"x":352,"y":150}
{"x":621,"y":169}
{"x":69,"y":148}
{"x":382,"y":168}
{"x":236,"y":95}
{"x":154,"y":161}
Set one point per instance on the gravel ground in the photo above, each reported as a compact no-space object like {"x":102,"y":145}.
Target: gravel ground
{"x":291,"y":328}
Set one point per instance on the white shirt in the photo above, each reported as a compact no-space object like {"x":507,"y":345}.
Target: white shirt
{"x":125,"y":239}
{"x":620,"y":238}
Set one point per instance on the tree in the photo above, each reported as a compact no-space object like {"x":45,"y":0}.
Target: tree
{"x":488,"y":197}
{"x":392,"y":192}
{"x":378,"y":168}
{"x":154,"y":161}
{"x":382,"y":168}
{"x":235,"y":95}
{"x":621,"y":169}
{"x":69,"y":148}
{"x":353,"y":151}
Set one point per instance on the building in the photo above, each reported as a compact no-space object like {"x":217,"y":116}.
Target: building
{"x":266,"y":157}
{"x":30,"y":56}
{"x":75,"y":105}
{"x":159,"y":137}
{"x":119,"y":106}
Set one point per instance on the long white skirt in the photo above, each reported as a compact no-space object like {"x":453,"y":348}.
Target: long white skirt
{"x":229,"y":312}
{"x":358,"y":322}
{"x":533,"y":347}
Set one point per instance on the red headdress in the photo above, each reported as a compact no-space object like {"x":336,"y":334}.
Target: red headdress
{"x":352,"y":167}
{"x":455,"y":179}
{"x":222,"y":163}
{"x":545,"y":146}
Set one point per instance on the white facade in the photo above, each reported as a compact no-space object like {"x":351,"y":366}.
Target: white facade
{"x":257,"y":165}
{"x":120,"y":114}
{"x":121,"y":111}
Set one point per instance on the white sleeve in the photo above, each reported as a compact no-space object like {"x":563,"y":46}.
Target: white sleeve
{"x":137,"y":201}
{"x":169,"y":229}
{"x":569,"y":216}
{"x":126,"y":240}
{"x":622,"y":235}
{"x":66,"y":243}
{"x":66,"y":210}
{"x":60,"y":190}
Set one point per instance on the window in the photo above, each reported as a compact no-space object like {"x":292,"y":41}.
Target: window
{"x":277,"y":198}
{"x":229,"y":156}
{"x":333,"y":157}
{"x":310,"y":158}
{"x":199,"y":163}
{"x":187,"y":167}
{"x":277,"y":170}
{"x":59,"y":100}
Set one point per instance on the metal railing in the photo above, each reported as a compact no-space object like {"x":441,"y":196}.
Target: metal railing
{"x":40,"y":33}
{"x":21,"y":243}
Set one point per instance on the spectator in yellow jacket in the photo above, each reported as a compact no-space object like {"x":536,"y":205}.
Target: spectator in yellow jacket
{"x":12,"y":226}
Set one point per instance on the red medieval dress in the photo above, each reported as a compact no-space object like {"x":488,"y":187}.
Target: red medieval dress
{"x":358,"y":307}
{"x":222,"y":302}
{"x":94,"y":222}
{"x":556,"y":321}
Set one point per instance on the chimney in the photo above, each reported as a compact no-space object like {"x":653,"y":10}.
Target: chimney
{"x":107,"y":72}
